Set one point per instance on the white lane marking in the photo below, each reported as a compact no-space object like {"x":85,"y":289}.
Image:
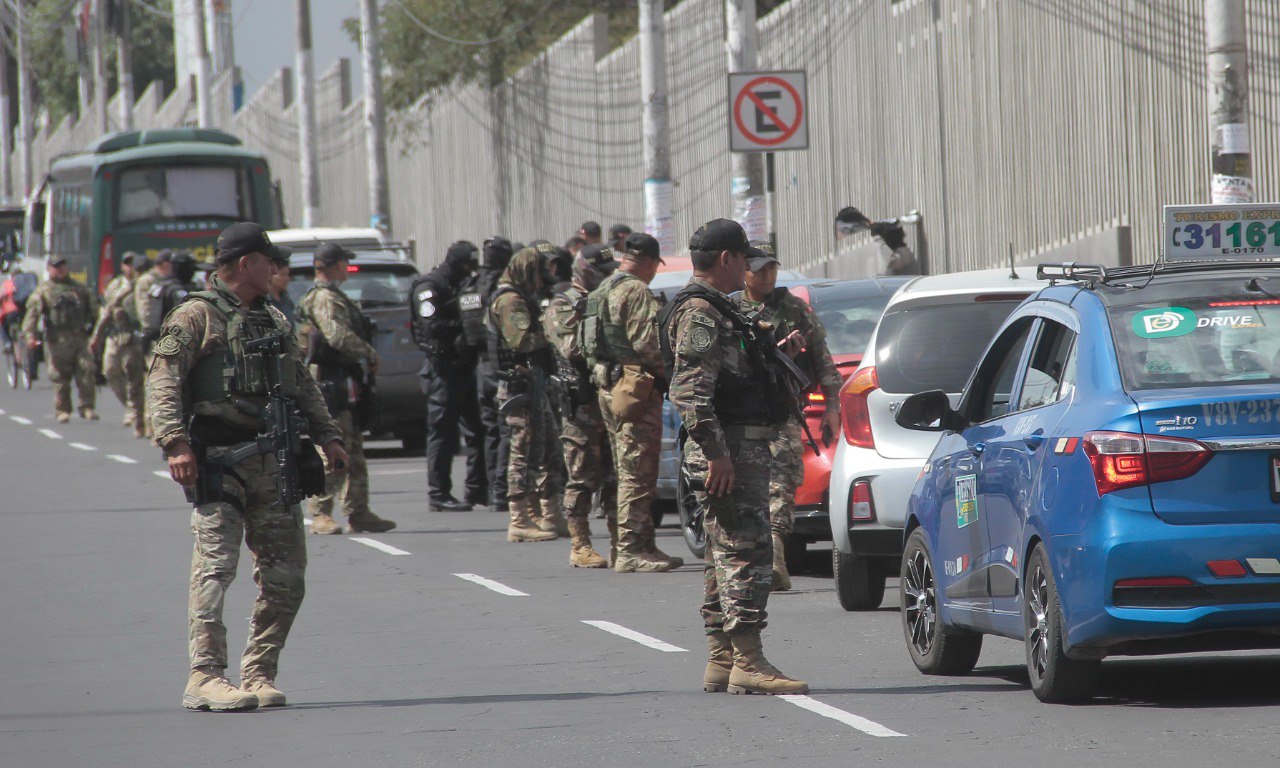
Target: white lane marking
{"x":161,"y":473}
{"x":82,"y":447}
{"x":390,"y":550}
{"x":631,"y":634}
{"x":305,"y":520}
{"x":121,"y":459}
{"x":21,"y":420}
{"x":496,"y":586}
{"x":2,"y":411}
{"x":49,"y":433}
{"x":869,"y":727}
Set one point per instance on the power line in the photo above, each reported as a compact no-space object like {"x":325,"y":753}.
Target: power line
{"x":489,"y":41}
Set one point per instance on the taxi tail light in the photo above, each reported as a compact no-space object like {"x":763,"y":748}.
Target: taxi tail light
{"x":815,"y":404}
{"x":1125,"y":460}
{"x":1226,"y":569}
{"x":862,"y":509}
{"x":106,"y":263}
{"x":855,"y":415}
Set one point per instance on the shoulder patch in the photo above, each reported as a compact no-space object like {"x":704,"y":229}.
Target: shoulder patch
{"x":168,"y":346}
{"x":520,"y":320}
{"x":701,"y":319}
{"x":700,"y":338}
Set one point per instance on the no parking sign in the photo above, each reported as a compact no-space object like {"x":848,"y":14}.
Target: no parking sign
{"x":768,"y":111}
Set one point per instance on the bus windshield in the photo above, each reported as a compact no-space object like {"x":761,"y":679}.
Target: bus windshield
{"x":177,"y":192}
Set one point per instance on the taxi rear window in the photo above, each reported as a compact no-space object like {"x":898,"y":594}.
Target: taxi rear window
{"x":1193,"y":335}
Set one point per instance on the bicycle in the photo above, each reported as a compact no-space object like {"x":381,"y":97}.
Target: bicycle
{"x":21,"y":364}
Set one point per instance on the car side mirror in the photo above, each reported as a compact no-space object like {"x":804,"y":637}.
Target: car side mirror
{"x":927,"y":412}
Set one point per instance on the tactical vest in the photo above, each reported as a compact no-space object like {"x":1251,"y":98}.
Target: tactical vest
{"x":218,"y":377}
{"x":602,"y":340}
{"x":810,"y":360}
{"x":68,"y":310}
{"x":574,"y":373}
{"x":318,"y":349}
{"x":423,"y":312}
{"x":753,"y":396}
{"x":471,"y":309}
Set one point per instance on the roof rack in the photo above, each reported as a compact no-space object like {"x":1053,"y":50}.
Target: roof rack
{"x":1073,"y":271}
{"x":1095,"y":274}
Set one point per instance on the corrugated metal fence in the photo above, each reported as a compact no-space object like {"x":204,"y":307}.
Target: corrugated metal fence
{"x":1023,"y":123}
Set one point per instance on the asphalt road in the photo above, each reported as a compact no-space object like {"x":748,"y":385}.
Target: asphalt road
{"x":397,"y":660}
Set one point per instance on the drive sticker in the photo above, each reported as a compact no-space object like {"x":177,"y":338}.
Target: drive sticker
{"x":966,"y":500}
{"x":1066,"y":446}
{"x":1164,"y":322}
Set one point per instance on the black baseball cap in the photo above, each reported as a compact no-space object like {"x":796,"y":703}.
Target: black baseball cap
{"x":619,"y":230}
{"x":239,"y":239}
{"x":599,"y":256}
{"x":329,"y":254}
{"x":723,"y":235}
{"x":131,"y":258}
{"x":165,"y":255}
{"x":280,"y":254}
{"x":760,"y":262}
{"x":643,"y":244}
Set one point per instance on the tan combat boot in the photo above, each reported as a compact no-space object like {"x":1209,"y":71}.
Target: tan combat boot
{"x":752,"y":672}
{"x":658,"y":554}
{"x":552,"y":519}
{"x":781,"y":579}
{"x":127,"y":421}
{"x":522,"y":527}
{"x":324,"y":524}
{"x":265,"y":689}
{"x":63,"y":417}
{"x":139,"y":432}
{"x":367,"y":522}
{"x":582,"y":555}
{"x":641,"y":562}
{"x":209,"y":690}
{"x":88,"y":414}
{"x":719,"y":663}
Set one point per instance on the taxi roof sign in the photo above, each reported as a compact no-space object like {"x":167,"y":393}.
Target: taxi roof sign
{"x":1233,"y":232}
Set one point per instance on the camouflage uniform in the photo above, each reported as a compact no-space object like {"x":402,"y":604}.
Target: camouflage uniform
{"x":739,"y":558}
{"x":141,"y":299}
{"x":116,"y":334}
{"x":326,"y":310}
{"x":68,"y":310}
{"x":522,"y":344}
{"x":629,"y":307}
{"x":192,"y":349}
{"x":587,"y":457}
{"x":788,"y":313}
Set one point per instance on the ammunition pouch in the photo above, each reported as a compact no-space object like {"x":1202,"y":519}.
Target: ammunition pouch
{"x":335,"y":387}
{"x":310,"y":468}
{"x":632,"y":394}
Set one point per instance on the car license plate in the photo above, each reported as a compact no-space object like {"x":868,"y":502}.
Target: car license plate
{"x":1275,"y":477}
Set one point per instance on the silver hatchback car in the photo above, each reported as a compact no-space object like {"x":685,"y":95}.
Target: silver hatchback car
{"x":930,"y":336}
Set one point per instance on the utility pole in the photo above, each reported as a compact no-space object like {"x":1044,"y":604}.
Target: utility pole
{"x":99,"y":64}
{"x":204,"y":104}
{"x":375,"y":117}
{"x":307,"y":118}
{"x":659,"y":213}
{"x":124,"y":66}
{"x":1228,"y":64}
{"x":6,"y":130}
{"x":747,"y":184}
{"x":24,"y":109}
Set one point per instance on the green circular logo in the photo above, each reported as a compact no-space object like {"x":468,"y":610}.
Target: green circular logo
{"x":1164,"y":322}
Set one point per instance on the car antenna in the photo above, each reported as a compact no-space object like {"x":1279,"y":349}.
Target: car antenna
{"x":1013,"y":273}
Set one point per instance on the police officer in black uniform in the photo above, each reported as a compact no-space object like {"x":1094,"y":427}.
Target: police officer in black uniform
{"x":473,"y":303}
{"x":167,"y":293}
{"x":449,"y":379}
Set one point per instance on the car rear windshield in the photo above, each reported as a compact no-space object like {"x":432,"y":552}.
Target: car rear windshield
{"x":849,"y":321}
{"x":1197,"y":333}
{"x":371,"y":286}
{"x":935,"y":346}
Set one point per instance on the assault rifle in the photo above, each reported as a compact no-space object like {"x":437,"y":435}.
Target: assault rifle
{"x":784,"y":370}
{"x":284,"y":426}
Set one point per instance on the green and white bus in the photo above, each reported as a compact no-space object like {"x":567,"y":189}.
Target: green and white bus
{"x":146,"y":191}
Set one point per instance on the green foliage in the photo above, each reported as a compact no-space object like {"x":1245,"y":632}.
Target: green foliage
{"x":55,"y":75}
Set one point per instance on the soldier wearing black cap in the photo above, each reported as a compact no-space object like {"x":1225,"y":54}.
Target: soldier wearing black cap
{"x":449,"y":378}
{"x":160,"y":268}
{"x":207,"y":388}
{"x":473,"y":302}
{"x":618,"y":235}
{"x":67,"y":310}
{"x":730,"y":407}
{"x":338,"y":339}
{"x":165,"y":293}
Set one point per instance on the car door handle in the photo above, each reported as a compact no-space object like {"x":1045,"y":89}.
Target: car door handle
{"x":977,"y":447}
{"x":1033,"y":441}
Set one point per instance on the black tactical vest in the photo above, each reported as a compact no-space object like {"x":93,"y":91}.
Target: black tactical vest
{"x":471,"y":310}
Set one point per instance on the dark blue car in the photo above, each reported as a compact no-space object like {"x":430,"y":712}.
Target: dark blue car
{"x":1109,"y":482}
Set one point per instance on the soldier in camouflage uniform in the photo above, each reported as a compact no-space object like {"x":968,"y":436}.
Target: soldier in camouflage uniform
{"x":730,"y":409}
{"x":587,"y":457}
{"x":523,"y":363}
{"x":619,"y":333}
{"x":68,"y":310}
{"x":115,"y":335}
{"x":336,"y":343}
{"x":787,"y":313}
{"x":153,"y":271}
{"x":202,"y":376}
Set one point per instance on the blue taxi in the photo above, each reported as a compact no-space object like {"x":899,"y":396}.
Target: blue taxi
{"x":1109,"y":481}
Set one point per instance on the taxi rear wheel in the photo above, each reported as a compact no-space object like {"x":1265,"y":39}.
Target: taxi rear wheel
{"x":935,"y":648}
{"x":1055,"y":677}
